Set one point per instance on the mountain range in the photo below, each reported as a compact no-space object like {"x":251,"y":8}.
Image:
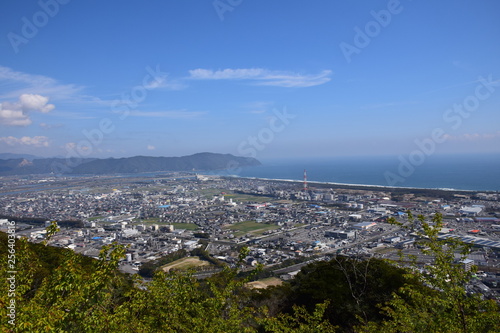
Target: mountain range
{"x":9,"y":156}
{"x":136,"y":164}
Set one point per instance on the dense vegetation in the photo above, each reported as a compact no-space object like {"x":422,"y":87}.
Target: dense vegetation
{"x":59,"y":291}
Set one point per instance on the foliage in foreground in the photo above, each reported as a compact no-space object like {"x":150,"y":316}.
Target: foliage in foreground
{"x":448,"y":307}
{"x":78,"y":296}
{"x":96,"y":298}
{"x":354,"y":287}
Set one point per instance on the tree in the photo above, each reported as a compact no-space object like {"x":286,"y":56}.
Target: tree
{"x":177,"y":302}
{"x":351,"y":287}
{"x":300,"y":321}
{"x":444,"y":305}
{"x":79,"y":295}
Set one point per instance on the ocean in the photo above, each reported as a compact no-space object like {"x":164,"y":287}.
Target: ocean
{"x":477,"y":172}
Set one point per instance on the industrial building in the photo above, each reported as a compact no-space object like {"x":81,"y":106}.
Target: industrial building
{"x":364,"y":225}
{"x":476,"y":241}
{"x":342,"y":234}
{"x":471,"y":210}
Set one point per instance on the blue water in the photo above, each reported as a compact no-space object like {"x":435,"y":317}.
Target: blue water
{"x":461,"y":172}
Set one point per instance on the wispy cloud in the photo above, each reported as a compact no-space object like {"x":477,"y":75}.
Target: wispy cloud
{"x":50,"y":126}
{"x":17,"y":83}
{"x":258,"y":107}
{"x":387,"y":105}
{"x":263,"y":77}
{"x":461,"y":84}
{"x":174,"y":114}
{"x":164,"y":83}
{"x":473,"y":136}
{"x":14,"y":85}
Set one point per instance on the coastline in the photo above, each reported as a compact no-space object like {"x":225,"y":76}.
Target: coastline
{"x":457,"y":172}
{"x":366,"y":187}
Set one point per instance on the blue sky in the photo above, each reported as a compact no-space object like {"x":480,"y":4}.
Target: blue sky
{"x":254,"y":78}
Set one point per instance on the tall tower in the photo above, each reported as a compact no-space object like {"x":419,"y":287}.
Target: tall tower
{"x":305,"y":180}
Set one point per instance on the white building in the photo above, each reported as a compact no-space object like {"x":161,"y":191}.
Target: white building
{"x":471,"y":210}
{"x":364,"y":225}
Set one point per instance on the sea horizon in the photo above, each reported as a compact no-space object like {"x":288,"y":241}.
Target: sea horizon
{"x":461,"y":172}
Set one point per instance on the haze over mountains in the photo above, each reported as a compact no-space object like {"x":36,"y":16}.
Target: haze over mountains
{"x":136,"y":164}
{"x":8,"y":156}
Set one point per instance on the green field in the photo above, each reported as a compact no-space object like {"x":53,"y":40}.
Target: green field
{"x":251,"y":227}
{"x":187,"y":226}
{"x":151,"y":220}
{"x":210,"y":192}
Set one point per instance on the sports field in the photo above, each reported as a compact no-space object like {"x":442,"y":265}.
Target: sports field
{"x":264,"y":283}
{"x":185,"y":263}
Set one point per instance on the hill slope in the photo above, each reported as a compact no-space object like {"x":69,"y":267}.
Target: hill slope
{"x":196,"y":162}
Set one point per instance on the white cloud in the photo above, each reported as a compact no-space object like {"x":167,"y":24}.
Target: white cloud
{"x":31,"y":102}
{"x":150,"y":147}
{"x":13,"y":117}
{"x":17,"y":114}
{"x":36,"y":141}
{"x":263,"y":77}
{"x":15,"y":84}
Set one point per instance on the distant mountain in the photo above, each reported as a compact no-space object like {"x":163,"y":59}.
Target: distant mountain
{"x":8,"y":156}
{"x":196,"y":162}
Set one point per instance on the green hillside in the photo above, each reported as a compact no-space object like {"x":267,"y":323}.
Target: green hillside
{"x":56,"y":290}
